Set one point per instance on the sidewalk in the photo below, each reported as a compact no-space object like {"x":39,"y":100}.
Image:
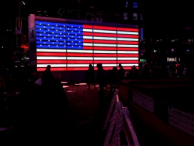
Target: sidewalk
{"x":82,"y":125}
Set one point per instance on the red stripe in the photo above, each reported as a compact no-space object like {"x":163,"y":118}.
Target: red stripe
{"x":99,"y":41}
{"x":127,"y":61}
{"x":105,"y":68}
{"x":105,"y":61}
{"x":127,"y":55}
{"x":127,"y":49}
{"x":127,"y":36}
{"x":99,"y":27}
{"x":80,"y":54}
{"x":99,"y":34}
{"x":127,"y":29}
{"x":50,"y":54}
{"x":104,"y":27}
{"x":52,"y":69}
{"x":88,"y":26}
{"x":51,"y":61}
{"x":76,"y":68}
{"x":129,"y":67}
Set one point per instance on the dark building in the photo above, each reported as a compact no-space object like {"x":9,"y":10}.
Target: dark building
{"x":169,"y":34}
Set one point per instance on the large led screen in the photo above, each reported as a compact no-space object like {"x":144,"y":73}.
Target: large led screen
{"x":72,"y":47}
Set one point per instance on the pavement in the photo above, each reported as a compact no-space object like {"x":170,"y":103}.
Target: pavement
{"x":81,"y":125}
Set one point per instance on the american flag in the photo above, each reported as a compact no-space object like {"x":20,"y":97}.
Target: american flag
{"x":67,"y":46}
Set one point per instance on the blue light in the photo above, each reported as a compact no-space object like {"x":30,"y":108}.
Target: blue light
{"x":49,"y":23}
{"x":74,"y":26}
{"x":51,"y":38}
{"x":51,"y":46}
{"x":74,"y":47}
{"x":74,"y":32}
{"x":48,"y":31}
{"x":50,"y":43}
{"x":135,"y":5}
{"x":49,"y":35}
{"x":77,"y":44}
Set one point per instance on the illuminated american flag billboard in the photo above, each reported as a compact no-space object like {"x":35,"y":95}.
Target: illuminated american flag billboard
{"x":73,"y":46}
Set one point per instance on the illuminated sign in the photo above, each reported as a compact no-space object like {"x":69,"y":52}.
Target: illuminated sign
{"x":68,"y":46}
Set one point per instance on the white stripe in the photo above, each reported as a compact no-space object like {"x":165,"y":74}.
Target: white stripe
{"x":95,"y":44}
{"x":127,"y":39}
{"x":126,"y":32}
{"x":129,"y":64}
{"x":105,"y":58}
{"x":87,"y":37}
{"x":127,"y":58}
{"x":50,"y":50}
{"x":105,"y":52}
{"x":105,"y":45}
{"x":117,"y":65}
{"x":79,"y":58}
{"x":127,"y":45}
{"x":52,"y":65}
{"x":87,"y":30}
{"x":51,"y":58}
{"x":127,"y":52}
{"x":107,"y":65}
{"x":77,"y":65}
{"x":79,"y":51}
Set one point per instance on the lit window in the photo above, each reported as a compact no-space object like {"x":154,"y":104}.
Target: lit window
{"x":125,"y":16}
{"x":126,"y":4}
{"x":135,"y":16}
{"x":135,"y":5}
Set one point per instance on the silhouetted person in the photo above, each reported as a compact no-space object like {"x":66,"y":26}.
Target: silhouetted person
{"x":101,"y":81}
{"x":134,"y":72}
{"x":113,"y":79}
{"x":121,"y":72}
{"x":47,"y":77}
{"x":90,"y":75}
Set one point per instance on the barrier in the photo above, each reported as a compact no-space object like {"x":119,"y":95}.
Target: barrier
{"x":120,"y":123}
{"x":111,"y":110}
{"x":144,"y":101}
